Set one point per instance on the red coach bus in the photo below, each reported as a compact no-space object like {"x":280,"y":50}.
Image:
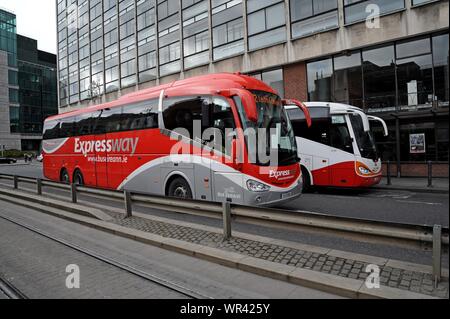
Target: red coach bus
{"x":153,"y":141}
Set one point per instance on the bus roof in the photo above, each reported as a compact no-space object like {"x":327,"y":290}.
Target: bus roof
{"x":335,"y":108}
{"x":200,"y":85}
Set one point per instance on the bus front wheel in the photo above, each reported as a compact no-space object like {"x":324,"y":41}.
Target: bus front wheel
{"x":179,"y":188}
{"x":306,"y":180}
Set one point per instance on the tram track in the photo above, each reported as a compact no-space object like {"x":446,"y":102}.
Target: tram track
{"x":9,"y":290}
{"x":13,"y":293}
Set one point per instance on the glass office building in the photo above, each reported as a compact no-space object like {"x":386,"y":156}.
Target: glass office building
{"x":28,"y":84}
{"x":322,"y":50}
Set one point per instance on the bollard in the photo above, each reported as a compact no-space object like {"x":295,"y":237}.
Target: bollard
{"x":226,"y":212}
{"x":128,"y":204}
{"x":73,"y":192}
{"x":430,"y":174}
{"x":389,"y":182}
{"x":39,"y":186}
{"x":437,"y":257}
{"x":16,"y":182}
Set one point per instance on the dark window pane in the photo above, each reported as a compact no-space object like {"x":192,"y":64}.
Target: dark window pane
{"x":139,"y":117}
{"x":415,"y":82}
{"x":319,"y":80}
{"x":348,"y":80}
{"x":441,"y":78}
{"x":379,"y":78}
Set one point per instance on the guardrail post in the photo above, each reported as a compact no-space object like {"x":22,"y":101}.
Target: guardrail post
{"x":437,"y":257}
{"x":226,"y":211}
{"x":39,"y":186}
{"x":430,"y":174}
{"x":73,"y":192}
{"x":389,"y":182}
{"x":16,"y":182}
{"x":128,"y":204}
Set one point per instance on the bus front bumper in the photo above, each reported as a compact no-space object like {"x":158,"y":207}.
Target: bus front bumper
{"x":273,"y":198}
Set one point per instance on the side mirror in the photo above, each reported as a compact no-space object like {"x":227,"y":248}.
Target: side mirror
{"x":302,"y":107}
{"x":248,"y":101}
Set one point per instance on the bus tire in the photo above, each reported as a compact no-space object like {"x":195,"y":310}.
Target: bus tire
{"x":306,"y":179}
{"x":179,"y":188}
{"x":78,"y":178}
{"x":64,"y":176}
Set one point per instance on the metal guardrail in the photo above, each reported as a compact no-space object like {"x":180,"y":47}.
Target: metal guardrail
{"x":380,"y":232}
{"x":429,"y":167}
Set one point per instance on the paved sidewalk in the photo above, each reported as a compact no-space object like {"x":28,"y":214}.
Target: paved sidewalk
{"x":440,"y":185}
{"x":413,"y":281}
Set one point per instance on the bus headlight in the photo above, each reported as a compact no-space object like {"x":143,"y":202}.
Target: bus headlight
{"x":364,"y":171}
{"x":258,"y":187}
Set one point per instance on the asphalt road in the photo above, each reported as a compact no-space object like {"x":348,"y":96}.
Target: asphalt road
{"x":398,"y":206}
{"x":384,"y":205}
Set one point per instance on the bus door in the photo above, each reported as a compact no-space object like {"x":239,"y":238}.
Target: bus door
{"x":342,"y":158}
{"x":227,"y":183}
{"x":183,"y":117}
{"x":101,"y":156}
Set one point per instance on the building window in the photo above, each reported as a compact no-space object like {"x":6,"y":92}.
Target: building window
{"x":147,"y":67}
{"x":13,"y":78}
{"x":195,"y":33}
{"x":319,"y":80}
{"x":128,"y":71}
{"x":313,"y":16}
{"x":13,"y":96}
{"x":420,"y":2}
{"x":273,"y":78}
{"x":379,"y":79}
{"x":415,"y":74}
{"x":440,"y":61}
{"x":167,"y":8}
{"x":228,"y":28}
{"x":356,"y":11}
{"x":266,"y":23}
{"x":347,"y":79}
{"x":169,"y":37}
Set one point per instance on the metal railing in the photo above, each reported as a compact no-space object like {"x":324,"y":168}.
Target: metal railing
{"x":410,"y":236}
{"x":429,"y":168}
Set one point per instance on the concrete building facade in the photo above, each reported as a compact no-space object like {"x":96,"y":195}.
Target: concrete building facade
{"x":388,"y":57}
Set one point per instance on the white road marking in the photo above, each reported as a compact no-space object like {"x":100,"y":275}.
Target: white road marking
{"x":418,"y":202}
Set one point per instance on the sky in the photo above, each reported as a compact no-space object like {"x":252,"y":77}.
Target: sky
{"x":35,"y":19}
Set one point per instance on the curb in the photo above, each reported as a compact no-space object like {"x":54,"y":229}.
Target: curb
{"x":31,"y":201}
{"x":345,"y":287}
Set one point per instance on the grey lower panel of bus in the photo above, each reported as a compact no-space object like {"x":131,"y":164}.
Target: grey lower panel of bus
{"x":206,"y":184}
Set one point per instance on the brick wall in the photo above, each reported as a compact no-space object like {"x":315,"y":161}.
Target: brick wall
{"x":295,"y":83}
{"x":418,"y":170}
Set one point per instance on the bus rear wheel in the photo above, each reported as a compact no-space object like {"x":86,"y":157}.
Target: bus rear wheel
{"x":78,"y":178}
{"x":179,"y":188}
{"x":64,"y":177}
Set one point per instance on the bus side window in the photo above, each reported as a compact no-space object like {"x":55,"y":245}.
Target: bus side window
{"x":180,"y":113}
{"x":51,"y":130}
{"x":67,"y":127}
{"x":139,"y":117}
{"x":340,"y":134}
{"x":83,"y":124}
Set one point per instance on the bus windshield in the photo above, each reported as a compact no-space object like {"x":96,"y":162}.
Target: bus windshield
{"x":272,"y":117}
{"x":365,"y":140}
